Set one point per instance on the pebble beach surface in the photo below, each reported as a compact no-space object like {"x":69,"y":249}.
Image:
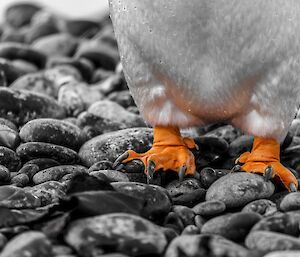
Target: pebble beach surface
{"x":66,"y":114}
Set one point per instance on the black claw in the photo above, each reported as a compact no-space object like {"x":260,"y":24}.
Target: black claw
{"x":236,"y":168}
{"x":293,"y":187}
{"x":150,"y":170}
{"x":268,"y":173}
{"x":181,"y":173}
{"x":119,"y":160}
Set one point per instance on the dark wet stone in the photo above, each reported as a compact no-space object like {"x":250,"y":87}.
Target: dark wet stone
{"x":14,"y":51}
{"x":4,"y":174}
{"x":158,"y":202}
{"x":110,"y":145}
{"x":43,"y":163}
{"x":186,"y":214}
{"x":271,"y":241}
{"x":84,"y":182}
{"x":209,"y":208}
{"x":191,"y":230}
{"x":112,"y":111}
{"x":79,"y":28}
{"x":17,"y":198}
{"x":33,"y":150}
{"x":94,"y":125}
{"x":10,"y":71}
{"x":286,"y":223}
{"x":59,"y":44}
{"x":93,"y":203}
{"x":29,"y":170}
{"x":76,"y":96}
{"x":187,"y":192}
{"x":9,"y":137}
{"x":238,"y":189}
{"x":102,"y":55}
{"x":21,"y":106}
{"x":123,"y":98}
{"x":111,"y":175}
{"x":120,"y":232}
{"x":52,"y":131}
{"x":240,"y":145}
{"x":204,"y":245}
{"x":209,"y":175}
{"x":48,"y":192}
{"x":290,"y":202}
{"x":9,"y":159}
{"x":263,"y":207}
{"x":234,"y":226}
{"x":20,"y":14}
{"x":57,"y":172}
{"x":101,"y":165}
{"x":20,"y":180}
{"x":226,"y":132}
{"x":33,"y":243}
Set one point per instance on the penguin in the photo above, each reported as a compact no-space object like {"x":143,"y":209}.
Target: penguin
{"x":193,"y":63}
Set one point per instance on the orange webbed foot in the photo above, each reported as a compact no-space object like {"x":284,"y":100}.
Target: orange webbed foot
{"x":170,"y":151}
{"x":264,"y":159}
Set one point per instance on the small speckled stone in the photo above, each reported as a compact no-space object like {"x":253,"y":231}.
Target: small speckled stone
{"x":290,"y":202}
{"x":209,"y":208}
{"x":34,"y":243}
{"x":4,"y":174}
{"x":9,"y":159}
{"x":57,"y":172}
{"x":20,"y":180}
{"x":263,"y":207}
{"x":271,"y":241}
{"x":238,"y":189}
{"x":122,"y":232}
{"x":231,"y":226}
{"x":209,"y":175}
{"x":204,"y":245}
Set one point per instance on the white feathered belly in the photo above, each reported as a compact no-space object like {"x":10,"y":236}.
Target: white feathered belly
{"x":193,"y":62}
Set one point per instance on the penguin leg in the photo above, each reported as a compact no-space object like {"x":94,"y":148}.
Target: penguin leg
{"x":170,"y":151}
{"x":264,"y":158}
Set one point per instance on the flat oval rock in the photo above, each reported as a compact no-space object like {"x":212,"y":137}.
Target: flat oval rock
{"x":290,"y":202}
{"x":21,"y":106}
{"x":238,"y":189}
{"x":112,"y":175}
{"x":120,"y":232}
{"x":52,"y":131}
{"x":209,"y":208}
{"x":283,"y":254}
{"x":231,"y":226}
{"x":33,"y":150}
{"x":9,"y":159}
{"x":33,"y":243}
{"x":109,"y":146}
{"x":158,"y":202}
{"x":204,"y":245}
{"x":271,"y":241}
{"x":263,"y":207}
{"x":57,"y":172}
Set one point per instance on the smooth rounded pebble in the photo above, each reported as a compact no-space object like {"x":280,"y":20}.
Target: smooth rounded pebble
{"x":112,"y":175}
{"x":122,"y":232}
{"x":57,"y":172}
{"x":209,"y":208}
{"x":283,"y":254}
{"x":204,"y":245}
{"x":33,"y":150}
{"x":158,"y":202}
{"x":238,"y":189}
{"x":109,"y":146}
{"x":271,"y":241}
{"x":9,"y":159}
{"x":9,"y":137}
{"x":231,"y":226}
{"x":33,"y":243}
{"x":263,"y":207}
{"x":290,"y":202}
{"x":52,"y":131}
